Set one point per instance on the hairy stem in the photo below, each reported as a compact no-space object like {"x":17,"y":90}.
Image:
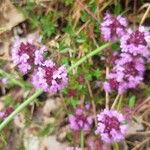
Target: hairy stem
{"x":92,"y":101}
{"x":82,"y":140}
{"x":12,"y":78}
{"x":98,"y":50}
{"x":120,"y":102}
{"x":115,"y":101}
{"x":106,"y":93}
{"x":19,"y":108}
{"x":39,"y":92}
{"x":115,"y":146}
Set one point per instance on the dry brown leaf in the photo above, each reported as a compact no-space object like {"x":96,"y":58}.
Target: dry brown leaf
{"x":51,"y":105}
{"x":19,"y":120}
{"x":1,"y":105}
{"x":135,"y":126}
{"x":9,"y":16}
{"x":4,"y":50}
{"x":33,"y":142}
{"x":50,"y":143}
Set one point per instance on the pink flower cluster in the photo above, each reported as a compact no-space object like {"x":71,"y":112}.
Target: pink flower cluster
{"x":28,"y":56}
{"x":80,"y":121}
{"x":127,"y":73}
{"x":112,"y":126}
{"x":113,"y":27}
{"x":136,"y":42}
{"x":129,"y":65}
{"x":50,"y":77}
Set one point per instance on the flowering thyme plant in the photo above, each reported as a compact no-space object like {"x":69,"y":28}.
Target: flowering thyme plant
{"x":85,"y":113}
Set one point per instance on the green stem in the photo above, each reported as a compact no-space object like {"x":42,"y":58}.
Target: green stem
{"x":120,"y":102}
{"x":115,"y":102}
{"x":12,"y":78}
{"x":39,"y":92}
{"x":89,"y":55}
{"x":82,"y":140}
{"x":19,"y":108}
{"x":115,"y":146}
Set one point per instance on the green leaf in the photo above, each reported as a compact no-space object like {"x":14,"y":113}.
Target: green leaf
{"x":48,"y":26}
{"x":34,"y":22}
{"x":69,"y":29}
{"x":132,"y":101}
{"x":69,"y":137}
{"x":82,"y":38}
{"x":118,"y":9}
{"x":84,"y":16}
{"x":74,"y":102}
{"x":93,"y":5}
{"x":115,"y":46}
{"x":68,"y":2}
{"x":8,"y":100}
{"x":49,"y":129}
{"x":88,"y":77}
{"x":97,"y":73}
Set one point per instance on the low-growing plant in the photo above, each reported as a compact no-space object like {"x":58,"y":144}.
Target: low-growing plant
{"x":112,"y":71}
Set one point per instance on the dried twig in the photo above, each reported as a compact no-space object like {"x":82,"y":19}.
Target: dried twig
{"x":115,"y":101}
{"x":139,"y":133}
{"x":142,"y":143}
{"x":106,"y":93}
{"x":145,"y":15}
{"x":87,"y":10}
{"x":92,"y":100}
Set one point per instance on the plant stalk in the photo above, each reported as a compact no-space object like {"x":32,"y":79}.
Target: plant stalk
{"x":11,"y":78}
{"x":19,"y":108}
{"x":115,"y":146}
{"x":98,"y":50}
{"x":120,"y":102}
{"x":39,"y":92}
{"x":106,"y":93}
{"x":115,"y":101}
{"x":82,"y":140}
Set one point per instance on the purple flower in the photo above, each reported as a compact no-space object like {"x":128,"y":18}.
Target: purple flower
{"x":6,"y":112}
{"x":49,"y":77}
{"x":113,"y":27}
{"x":2,"y":115}
{"x":87,"y":106}
{"x":112,"y":126}
{"x":127,"y":73}
{"x":80,"y":121}
{"x":3,"y":80}
{"x":136,"y":42}
{"x":94,"y":144}
{"x":73,"y":148}
{"x":25,"y":54}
